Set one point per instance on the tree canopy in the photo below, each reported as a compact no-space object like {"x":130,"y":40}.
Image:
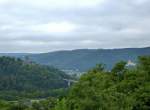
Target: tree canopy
{"x":120,"y":89}
{"x":20,"y":78}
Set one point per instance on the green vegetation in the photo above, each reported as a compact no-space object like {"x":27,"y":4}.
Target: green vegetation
{"x":122,"y":88}
{"x":22,"y":79}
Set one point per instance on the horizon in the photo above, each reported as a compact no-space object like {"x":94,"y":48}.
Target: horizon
{"x":73,"y":50}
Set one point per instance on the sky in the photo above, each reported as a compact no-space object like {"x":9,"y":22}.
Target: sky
{"x":48,"y":25}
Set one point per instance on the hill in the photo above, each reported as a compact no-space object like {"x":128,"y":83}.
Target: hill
{"x":22,"y":79}
{"x":85,"y":59}
{"x":121,"y":88}
{"x":18,"y":55}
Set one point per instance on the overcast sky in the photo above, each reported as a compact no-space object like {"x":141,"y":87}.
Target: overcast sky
{"x":49,"y":25}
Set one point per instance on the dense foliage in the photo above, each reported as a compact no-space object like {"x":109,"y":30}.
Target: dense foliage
{"x":120,"y":89}
{"x":25,"y":79}
{"x":123,"y":88}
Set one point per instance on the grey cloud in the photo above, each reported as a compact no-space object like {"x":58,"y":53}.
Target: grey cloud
{"x":113,"y":24}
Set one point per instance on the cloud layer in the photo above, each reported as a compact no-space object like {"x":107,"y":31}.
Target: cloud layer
{"x":48,"y":25}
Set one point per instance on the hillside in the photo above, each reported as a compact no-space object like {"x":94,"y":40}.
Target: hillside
{"x":22,"y":79}
{"x":121,"y":88}
{"x":84,"y":59}
{"x":18,"y":55}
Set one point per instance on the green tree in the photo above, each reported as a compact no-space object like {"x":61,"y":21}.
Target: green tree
{"x":119,"y":68}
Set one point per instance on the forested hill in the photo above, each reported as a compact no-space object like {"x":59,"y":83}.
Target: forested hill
{"x":86,"y":59}
{"x":23,"y":79}
{"x":121,"y":88}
